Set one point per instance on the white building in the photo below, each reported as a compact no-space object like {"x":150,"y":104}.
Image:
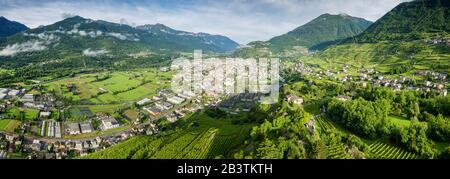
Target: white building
{"x":2,"y":96}
{"x":108,"y":122}
{"x":58,"y":130}
{"x":4,"y":90}
{"x":144,"y":101}
{"x":45,"y":114}
{"x":13,"y":93}
{"x":27,"y":98}
{"x":292,"y":98}
{"x":175,"y":100}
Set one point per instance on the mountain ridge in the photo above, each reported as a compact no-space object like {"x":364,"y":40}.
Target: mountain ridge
{"x":410,"y":21}
{"x":8,"y":27}
{"x":77,"y":34}
{"x":323,"y":29}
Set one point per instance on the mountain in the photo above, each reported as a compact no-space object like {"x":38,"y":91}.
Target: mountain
{"x":410,"y":21}
{"x":320,"y":32}
{"x":8,"y":27}
{"x":317,"y":34}
{"x":78,"y":37}
{"x":188,"y":40}
{"x":413,"y":36}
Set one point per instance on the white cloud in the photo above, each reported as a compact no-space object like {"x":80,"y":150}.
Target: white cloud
{"x":29,"y":46}
{"x":39,"y":44}
{"x":94,"y":53}
{"x":117,"y":35}
{"x":241,"y":20}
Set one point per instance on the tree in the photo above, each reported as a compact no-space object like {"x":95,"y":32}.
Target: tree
{"x":415,"y":139}
{"x":446,"y":153}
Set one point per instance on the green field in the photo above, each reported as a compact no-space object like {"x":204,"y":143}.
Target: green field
{"x":131,"y":114}
{"x":9,"y":125}
{"x":80,"y":112}
{"x":114,"y":87}
{"x":22,"y":113}
{"x":399,"y":121}
{"x":205,"y":138}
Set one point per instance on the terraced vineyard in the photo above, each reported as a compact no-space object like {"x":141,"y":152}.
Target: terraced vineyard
{"x":381,"y":150}
{"x":324,"y":124}
{"x":337,"y":151}
{"x":212,"y":138}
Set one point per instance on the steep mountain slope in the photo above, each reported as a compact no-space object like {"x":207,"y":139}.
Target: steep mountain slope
{"x":410,"y":21}
{"x":8,"y":27}
{"x":317,"y":34}
{"x":320,"y":32}
{"x":412,"y":34}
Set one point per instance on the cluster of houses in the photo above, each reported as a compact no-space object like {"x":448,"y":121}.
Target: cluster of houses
{"x":57,"y":149}
{"x":444,"y":41}
{"x":239,"y":102}
{"x":433,"y":74}
{"x":371,"y":76}
{"x":44,"y":103}
{"x":164,"y":101}
{"x":6,"y":93}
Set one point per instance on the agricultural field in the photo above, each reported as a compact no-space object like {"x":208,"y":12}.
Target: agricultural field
{"x":324,"y":124}
{"x":381,"y":150}
{"x":337,"y":151}
{"x":22,"y":114}
{"x":378,"y":150}
{"x":131,"y":114}
{"x":384,"y":57}
{"x":79,"y":113}
{"x":108,"y":88}
{"x":205,"y":138}
{"x":9,"y":125}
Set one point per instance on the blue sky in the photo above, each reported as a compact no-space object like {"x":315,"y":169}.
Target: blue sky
{"x":241,"y":20}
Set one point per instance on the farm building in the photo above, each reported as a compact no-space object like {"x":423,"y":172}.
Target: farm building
{"x":86,"y":128}
{"x":108,"y":122}
{"x":4,"y":90}
{"x":157,"y":98}
{"x":164,"y":105}
{"x":175,"y":100}
{"x":58,"y":130}
{"x":44,"y":114}
{"x":13,"y":93}
{"x":73,"y":128}
{"x":343,"y":98}
{"x":154,"y":110}
{"x":144,"y":101}
{"x":2,"y":96}
{"x":182,"y":95}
